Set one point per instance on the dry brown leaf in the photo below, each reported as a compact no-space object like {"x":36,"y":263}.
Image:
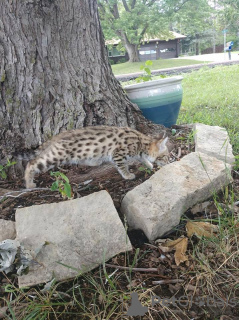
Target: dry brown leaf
{"x":180,"y":254}
{"x":180,"y":245}
{"x":200,"y":229}
{"x":162,"y":245}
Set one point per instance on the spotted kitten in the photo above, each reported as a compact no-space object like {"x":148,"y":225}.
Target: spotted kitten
{"x":94,"y":145}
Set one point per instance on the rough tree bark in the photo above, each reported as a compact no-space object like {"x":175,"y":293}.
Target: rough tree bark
{"x":54,"y":73}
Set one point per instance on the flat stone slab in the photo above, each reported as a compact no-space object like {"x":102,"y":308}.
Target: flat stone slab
{"x":80,"y":233}
{"x":7,"y":230}
{"x":156,"y":205}
{"x":214,"y":141}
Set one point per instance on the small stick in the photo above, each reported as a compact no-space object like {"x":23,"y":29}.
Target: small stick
{"x":179,"y":152}
{"x":132,"y":269}
{"x":154,"y":275}
{"x":167,"y":281}
{"x":10,"y":194}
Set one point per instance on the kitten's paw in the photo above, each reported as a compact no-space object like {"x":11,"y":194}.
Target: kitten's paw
{"x":30,"y":185}
{"x":129,"y":176}
{"x":150,"y":165}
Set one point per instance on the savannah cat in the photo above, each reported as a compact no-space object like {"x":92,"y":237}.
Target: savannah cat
{"x":93,"y":146}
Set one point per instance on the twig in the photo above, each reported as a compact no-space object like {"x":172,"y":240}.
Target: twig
{"x":132,"y":269}
{"x":10,"y":194}
{"x":168,"y":281}
{"x":179,"y":152}
{"x":231,"y":275}
{"x":174,"y":155}
{"x":154,"y":275}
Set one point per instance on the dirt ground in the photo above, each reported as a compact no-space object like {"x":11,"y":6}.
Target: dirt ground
{"x":175,"y":280}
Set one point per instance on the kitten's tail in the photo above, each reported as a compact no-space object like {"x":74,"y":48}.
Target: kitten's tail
{"x":25,"y":156}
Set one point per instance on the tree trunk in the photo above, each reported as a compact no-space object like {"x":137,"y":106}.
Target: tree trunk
{"x":197,"y":44}
{"x":133,"y":52}
{"x":54,"y":73}
{"x":132,"y":49}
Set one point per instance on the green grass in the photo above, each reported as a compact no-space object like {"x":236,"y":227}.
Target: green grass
{"x":132,"y":67}
{"x":210,"y":96}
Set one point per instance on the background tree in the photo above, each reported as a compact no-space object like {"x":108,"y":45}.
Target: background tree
{"x":195,"y":21}
{"x":133,"y":20}
{"x":230,"y":17}
{"x":54,"y":73}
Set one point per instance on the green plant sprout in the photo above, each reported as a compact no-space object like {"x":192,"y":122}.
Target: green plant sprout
{"x":236,"y":163}
{"x":145,"y":170}
{"x":3,"y":168}
{"x":147,"y":72}
{"x":61,"y":184}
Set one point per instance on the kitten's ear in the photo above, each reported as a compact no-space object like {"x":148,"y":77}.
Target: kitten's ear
{"x":162,"y":144}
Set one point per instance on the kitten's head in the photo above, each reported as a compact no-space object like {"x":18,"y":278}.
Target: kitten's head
{"x":158,"y":149}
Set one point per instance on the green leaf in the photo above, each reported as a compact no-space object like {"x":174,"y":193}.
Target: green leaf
{"x":54,"y":186}
{"x":9,"y":164}
{"x":148,"y":71}
{"x":3,"y":174}
{"x":141,"y":169}
{"x":67,"y":190}
{"x":1,"y":167}
{"x":64,"y":177}
{"x":141,"y":67}
{"x":148,"y":63}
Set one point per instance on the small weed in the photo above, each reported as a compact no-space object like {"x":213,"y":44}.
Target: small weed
{"x":3,"y":168}
{"x":236,"y":163}
{"x":146,"y":170}
{"x":61,"y":184}
{"x":191,"y":137}
{"x":147,"y":76}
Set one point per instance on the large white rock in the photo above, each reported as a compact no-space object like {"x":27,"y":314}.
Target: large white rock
{"x":7,"y":230}
{"x":156,"y":205}
{"x":79,"y":233}
{"x":214,"y":141}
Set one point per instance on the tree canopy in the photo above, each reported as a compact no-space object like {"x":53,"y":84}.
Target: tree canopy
{"x":202,"y":21}
{"x":135,"y":20}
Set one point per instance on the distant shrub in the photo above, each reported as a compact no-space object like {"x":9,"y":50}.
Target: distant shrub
{"x":121,"y":60}
{"x":111,"y":61}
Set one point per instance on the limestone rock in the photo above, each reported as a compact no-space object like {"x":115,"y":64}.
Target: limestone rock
{"x":7,"y":230}
{"x":156,"y":205}
{"x":214,"y":141}
{"x":80,"y":234}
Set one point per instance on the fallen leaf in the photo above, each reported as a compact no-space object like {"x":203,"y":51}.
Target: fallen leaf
{"x":162,"y":245}
{"x":200,"y":229}
{"x":180,"y":245}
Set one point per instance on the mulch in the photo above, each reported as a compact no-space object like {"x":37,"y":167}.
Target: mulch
{"x":86,"y":180}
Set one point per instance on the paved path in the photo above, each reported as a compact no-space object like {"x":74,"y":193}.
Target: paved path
{"x":214,"y":57}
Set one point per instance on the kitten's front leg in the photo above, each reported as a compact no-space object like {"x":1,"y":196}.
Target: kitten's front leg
{"x":122,"y":167}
